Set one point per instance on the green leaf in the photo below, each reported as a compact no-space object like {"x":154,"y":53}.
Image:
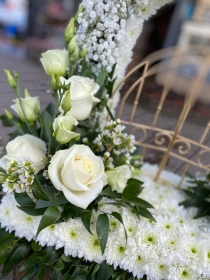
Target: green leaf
{"x":131,"y":190}
{"x":30,"y":210}
{"x":20,"y":253}
{"x":30,"y":273}
{"x":71,"y":211}
{"x":30,"y":262}
{"x":6,"y":238}
{"x":66,"y":258}
{"x":140,"y":202}
{"x":105,"y":271}
{"x":51,"y":215}
{"x":23,"y":199}
{"x":47,"y":125}
{"x":8,"y":267}
{"x":102,"y":229}
{"x":58,"y":265}
{"x":41,"y":271}
{"x":50,"y":108}
{"x":55,"y":274}
{"x":35,"y":246}
{"x":145,"y":213}
{"x":110,"y":193}
{"x":7,"y":247}
{"x":5,"y":121}
{"x":101,"y":77}
{"x":39,"y":190}
{"x":119,"y":218}
{"x":134,"y":180}
{"x":4,"y":258}
{"x":86,"y":219}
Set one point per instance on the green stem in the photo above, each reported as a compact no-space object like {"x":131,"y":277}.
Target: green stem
{"x":41,"y":126}
{"x":110,"y":113}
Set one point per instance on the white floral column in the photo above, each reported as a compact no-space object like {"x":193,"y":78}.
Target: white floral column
{"x":109,"y":30}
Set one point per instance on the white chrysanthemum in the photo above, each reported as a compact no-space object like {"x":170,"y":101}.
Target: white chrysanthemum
{"x":69,"y":235}
{"x":16,"y":220}
{"x":48,"y":236}
{"x":90,"y":248}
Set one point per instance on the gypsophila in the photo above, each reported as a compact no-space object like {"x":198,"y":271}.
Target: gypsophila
{"x":20,"y":176}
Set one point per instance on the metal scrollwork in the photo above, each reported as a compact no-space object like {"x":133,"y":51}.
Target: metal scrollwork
{"x":184,"y":146}
{"x":160,"y":138}
{"x":144,"y":137}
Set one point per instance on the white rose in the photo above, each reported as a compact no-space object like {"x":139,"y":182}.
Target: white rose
{"x":62,"y":127}
{"x":55,"y":62}
{"x":78,"y":173}
{"x":118,"y":177}
{"x":82,"y":98}
{"x":26,"y":145}
{"x":31,"y":107}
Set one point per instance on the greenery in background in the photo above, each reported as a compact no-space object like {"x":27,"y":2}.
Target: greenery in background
{"x":199,"y":196}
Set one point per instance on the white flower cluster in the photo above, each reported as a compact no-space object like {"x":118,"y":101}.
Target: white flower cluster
{"x":176,"y":247}
{"x":106,"y":26}
{"x":20,"y":176}
{"x":117,"y":142}
{"x":109,"y":29}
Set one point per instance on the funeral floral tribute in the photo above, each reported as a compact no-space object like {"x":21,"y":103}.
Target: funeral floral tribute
{"x":72,"y":207}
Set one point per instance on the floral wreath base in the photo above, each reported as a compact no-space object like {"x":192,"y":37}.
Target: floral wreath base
{"x":175,"y":247}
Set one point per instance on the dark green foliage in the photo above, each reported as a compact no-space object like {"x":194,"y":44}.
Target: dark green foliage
{"x":199,"y":196}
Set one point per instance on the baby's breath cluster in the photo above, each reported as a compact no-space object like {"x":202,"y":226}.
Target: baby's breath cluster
{"x":105,"y":26}
{"x":118,"y":145}
{"x":20,"y":176}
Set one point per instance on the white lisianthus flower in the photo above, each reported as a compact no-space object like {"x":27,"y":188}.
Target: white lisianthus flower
{"x":26,"y":145}
{"x":82,"y":98}
{"x":55,"y":62}
{"x":62,"y":127}
{"x":78,"y":173}
{"x":31,"y":107}
{"x":118,"y":177}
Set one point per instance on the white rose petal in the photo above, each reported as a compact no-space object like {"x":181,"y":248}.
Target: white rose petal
{"x":26,"y":145}
{"x":82,"y":97}
{"x":78,"y":173}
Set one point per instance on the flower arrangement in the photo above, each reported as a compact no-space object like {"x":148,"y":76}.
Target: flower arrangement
{"x":73,"y":206}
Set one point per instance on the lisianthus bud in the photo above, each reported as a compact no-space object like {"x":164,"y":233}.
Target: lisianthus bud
{"x":79,"y":11}
{"x":30,"y":106}
{"x":74,"y":56}
{"x":63,"y":126}
{"x":72,"y":45}
{"x":69,"y":32}
{"x":8,"y":114}
{"x":83,"y":53}
{"x":66,"y":102}
{"x":26,"y":93}
{"x":10,"y":79}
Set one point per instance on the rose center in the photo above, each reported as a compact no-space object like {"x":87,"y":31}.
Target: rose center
{"x":88,"y":166}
